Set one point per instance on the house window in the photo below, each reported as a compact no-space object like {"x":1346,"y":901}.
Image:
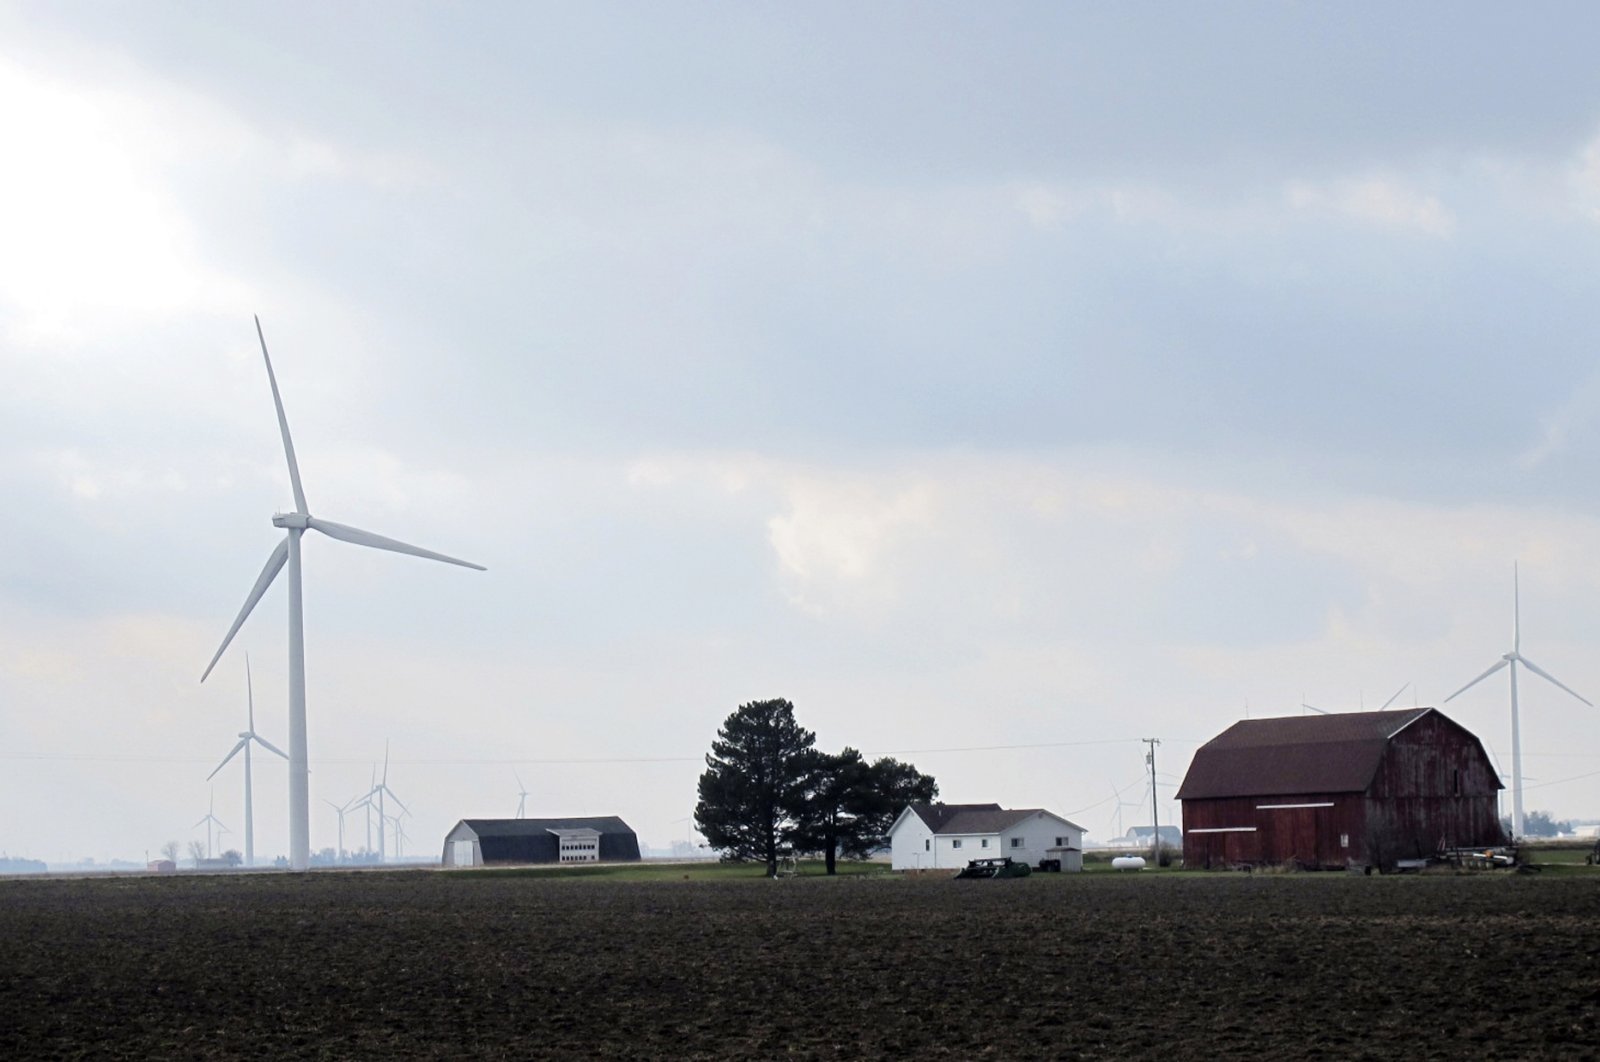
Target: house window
{"x":1061,"y":842}
{"x":956,"y":843}
{"x":927,"y":844}
{"x":1016,"y":842}
{"x":984,"y":843}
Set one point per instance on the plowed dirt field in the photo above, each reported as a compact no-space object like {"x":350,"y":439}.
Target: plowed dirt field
{"x":443,"y":965}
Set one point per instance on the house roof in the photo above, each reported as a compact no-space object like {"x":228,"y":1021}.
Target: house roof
{"x":524,"y":827}
{"x":975,"y":818}
{"x":1295,"y":754}
{"x":936,"y":815}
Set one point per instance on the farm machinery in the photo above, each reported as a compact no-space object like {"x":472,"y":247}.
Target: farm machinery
{"x":1004,"y":867}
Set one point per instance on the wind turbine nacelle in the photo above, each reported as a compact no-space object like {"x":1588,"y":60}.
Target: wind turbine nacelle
{"x":299,"y":520}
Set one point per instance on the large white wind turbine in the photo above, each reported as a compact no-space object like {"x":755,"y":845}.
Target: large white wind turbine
{"x":1511,"y":660}
{"x":522,"y":794}
{"x":295,"y":525}
{"x":244,"y":743}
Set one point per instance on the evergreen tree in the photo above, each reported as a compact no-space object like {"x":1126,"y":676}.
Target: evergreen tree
{"x":850,"y":803}
{"x":754,"y":786}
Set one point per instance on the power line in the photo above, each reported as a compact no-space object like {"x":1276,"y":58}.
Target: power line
{"x":547,"y":761}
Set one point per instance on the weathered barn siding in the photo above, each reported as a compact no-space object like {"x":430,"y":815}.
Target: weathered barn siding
{"x":1434,"y":787}
{"x":1393,"y":785}
{"x":1311,"y":829}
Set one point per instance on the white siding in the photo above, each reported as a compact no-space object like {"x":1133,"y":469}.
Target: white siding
{"x":910,"y":845}
{"x":1031,"y":839}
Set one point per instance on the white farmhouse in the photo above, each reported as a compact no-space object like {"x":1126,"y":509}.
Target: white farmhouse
{"x":935,"y":836}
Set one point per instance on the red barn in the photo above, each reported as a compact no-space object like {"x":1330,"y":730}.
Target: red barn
{"x":1333,"y":791}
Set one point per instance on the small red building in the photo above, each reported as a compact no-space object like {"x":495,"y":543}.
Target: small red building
{"x":1334,"y":791}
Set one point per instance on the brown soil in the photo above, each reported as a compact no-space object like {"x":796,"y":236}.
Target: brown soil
{"x":455,"y":965}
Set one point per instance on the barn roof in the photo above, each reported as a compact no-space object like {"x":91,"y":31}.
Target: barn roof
{"x":1295,"y":754}
{"x":523,"y":827}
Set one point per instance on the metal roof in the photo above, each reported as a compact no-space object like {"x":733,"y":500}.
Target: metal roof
{"x":1295,"y":754}
{"x":523,"y":827}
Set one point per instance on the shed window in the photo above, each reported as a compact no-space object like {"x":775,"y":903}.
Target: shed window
{"x":956,"y":843}
{"x":1016,"y":842}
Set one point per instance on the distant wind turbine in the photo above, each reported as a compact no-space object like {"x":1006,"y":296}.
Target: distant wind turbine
{"x":1511,"y":660}
{"x":522,"y":794}
{"x":340,"y":810}
{"x":379,"y":790}
{"x":295,"y":525}
{"x":1117,"y":796}
{"x":209,"y":821}
{"x":245,"y":739}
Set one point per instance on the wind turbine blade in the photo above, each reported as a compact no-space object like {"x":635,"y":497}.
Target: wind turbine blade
{"x":201,"y":823}
{"x":345,"y":533}
{"x":229,"y":756}
{"x":250,"y":693}
{"x":1542,"y":673}
{"x":1313,"y":707}
{"x":269,"y":746}
{"x":283,"y":426}
{"x":274,"y":565}
{"x":390,"y":793}
{"x":1397,"y":693}
{"x":1516,"y":610}
{"x":1502,"y":662}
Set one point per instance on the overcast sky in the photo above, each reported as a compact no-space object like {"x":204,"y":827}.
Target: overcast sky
{"x":1044,"y":376}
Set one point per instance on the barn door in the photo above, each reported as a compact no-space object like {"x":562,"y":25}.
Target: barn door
{"x":462,"y":855}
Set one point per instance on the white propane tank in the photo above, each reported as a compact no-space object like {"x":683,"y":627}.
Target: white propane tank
{"x":1128,"y":863}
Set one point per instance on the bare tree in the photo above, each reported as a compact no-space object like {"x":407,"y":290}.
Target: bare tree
{"x":197,"y":852}
{"x":170,"y":851}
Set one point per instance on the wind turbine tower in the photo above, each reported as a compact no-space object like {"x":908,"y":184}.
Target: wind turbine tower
{"x":295,"y":525}
{"x":245,"y":739}
{"x":1511,"y":660}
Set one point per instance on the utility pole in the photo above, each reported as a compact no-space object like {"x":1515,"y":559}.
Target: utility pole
{"x":1155,"y":822}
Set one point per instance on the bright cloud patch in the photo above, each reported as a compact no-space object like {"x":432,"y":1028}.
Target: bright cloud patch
{"x":1376,"y":200}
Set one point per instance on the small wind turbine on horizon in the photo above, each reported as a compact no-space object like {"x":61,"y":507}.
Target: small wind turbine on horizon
{"x":340,"y":812}
{"x":1511,"y":660}
{"x":287,"y":551}
{"x":1116,"y":794}
{"x":522,"y":794}
{"x":245,"y":739}
{"x":209,"y":821}
{"x":380,"y":789}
